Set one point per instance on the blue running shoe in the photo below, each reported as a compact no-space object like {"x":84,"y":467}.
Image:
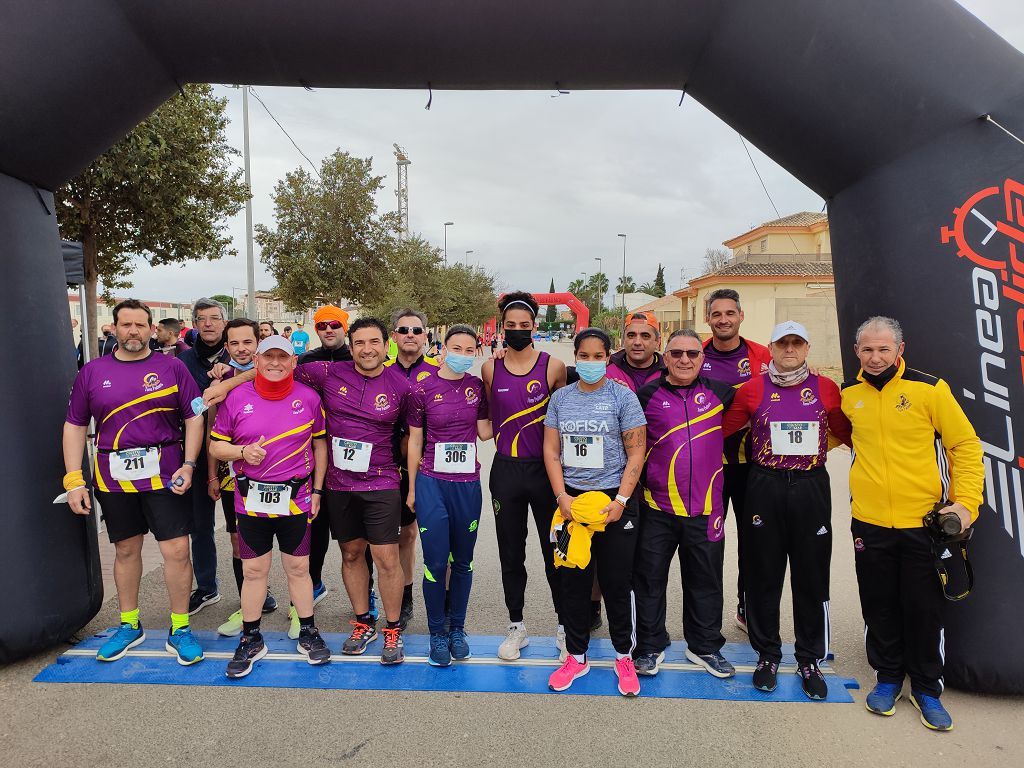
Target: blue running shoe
{"x":374,"y":613}
{"x":440,"y":655}
{"x":882,"y":700}
{"x":117,"y":646}
{"x":183,"y":644}
{"x":319,"y":592}
{"x":933,"y":714}
{"x":459,"y":645}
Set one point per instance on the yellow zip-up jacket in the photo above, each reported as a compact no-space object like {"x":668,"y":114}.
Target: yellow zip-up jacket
{"x":912,"y":446}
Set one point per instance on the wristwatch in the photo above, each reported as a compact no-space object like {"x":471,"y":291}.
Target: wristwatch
{"x":623,"y":500}
{"x":318,"y":491}
{"x":187,"y":463}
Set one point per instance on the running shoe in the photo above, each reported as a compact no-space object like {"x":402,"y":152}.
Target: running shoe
{"x":199,"y":600}
{"x":270,"y":603}
{"x":374,"y":613}
{"x":740,"y":620}
{"x":251,"y":649}
{"x":319,"y":592}
{"x":766,"y":675}
{"x":715,"y":663}
{"x":117,"y":646}
{"x":313,"y":647}
{"x":440,"y":654}
{"x":362,"y":635}
{"x":515,"y":640}
{"x":183,"y":644}
{"x":564,"y":676}
{"x":459,"y":645}
{"x":882,"y":699}
{"x":293,"y":623}
{"x":232,"y":627}
{"x":648,"y":664}
{"x":812,"y":681}
{"x":933,"y":715}
{"x":393,"y":651}
{"x":406,"y":615}
{"x":560,"y":642}
{"x":629,"y":684}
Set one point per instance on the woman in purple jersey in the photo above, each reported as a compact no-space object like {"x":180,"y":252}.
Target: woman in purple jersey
{"x":447,"y":413}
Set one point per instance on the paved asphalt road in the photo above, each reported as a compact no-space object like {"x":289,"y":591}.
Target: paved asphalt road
{"x":86,"y":725}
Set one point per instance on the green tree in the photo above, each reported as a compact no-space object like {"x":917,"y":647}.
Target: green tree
{"x":227,"y":301}
{"x":659,"y":282}
{"x":160,"y":194}
{"x":597,"y":287}
{"x":329,"y":242}
{"x":625,"y":285}
{"x":551,"y":315}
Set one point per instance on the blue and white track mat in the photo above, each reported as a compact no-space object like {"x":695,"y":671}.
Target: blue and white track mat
{"x":283,"y":667}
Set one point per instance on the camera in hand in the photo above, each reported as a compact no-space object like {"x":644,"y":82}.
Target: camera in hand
{"x":943,"y":526}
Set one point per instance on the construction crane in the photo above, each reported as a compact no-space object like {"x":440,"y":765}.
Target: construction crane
{"x":402,"y":190}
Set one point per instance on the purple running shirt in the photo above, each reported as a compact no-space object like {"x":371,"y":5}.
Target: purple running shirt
{"x":518,"y":405}
{"x":448,"y":411}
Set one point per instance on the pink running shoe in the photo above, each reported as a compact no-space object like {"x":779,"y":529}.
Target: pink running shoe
{"x":629,"y":683}
{"x":563,"y":677}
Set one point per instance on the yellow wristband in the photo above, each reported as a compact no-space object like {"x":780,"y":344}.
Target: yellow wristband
{"x":74,"y":480}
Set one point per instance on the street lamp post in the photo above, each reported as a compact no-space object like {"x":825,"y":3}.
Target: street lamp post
{"x":600,"y":271}
{"x":623,"y":286}
{"x":250,"y":262}
{"x":467,"y":256}
{"x":446,"y":225}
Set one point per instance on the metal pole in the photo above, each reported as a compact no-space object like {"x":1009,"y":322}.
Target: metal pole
{"x":623,"y":277}
{"x":446,"y":225}
{"x":600,"y":271}
{"x":250,"y":262}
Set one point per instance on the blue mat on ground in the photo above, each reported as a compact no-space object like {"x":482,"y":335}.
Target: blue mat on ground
{"x":149,"y":664}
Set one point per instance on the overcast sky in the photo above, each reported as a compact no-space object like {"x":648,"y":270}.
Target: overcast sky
{"x":537,"y":186}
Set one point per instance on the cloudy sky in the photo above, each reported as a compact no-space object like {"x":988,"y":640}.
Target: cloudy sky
{"x":538,"y":187}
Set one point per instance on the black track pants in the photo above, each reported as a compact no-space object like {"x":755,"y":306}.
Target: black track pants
{"x":734,"y":489}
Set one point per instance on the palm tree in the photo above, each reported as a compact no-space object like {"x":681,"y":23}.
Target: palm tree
{"x":626,"y":285}
{"x":650,"y":288}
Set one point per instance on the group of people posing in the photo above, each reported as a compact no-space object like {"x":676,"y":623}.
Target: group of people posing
{"x":625,"y":460}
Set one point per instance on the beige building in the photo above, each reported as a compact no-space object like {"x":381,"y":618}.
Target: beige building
{"x":782,"y":270}
{"x":667,"y":310}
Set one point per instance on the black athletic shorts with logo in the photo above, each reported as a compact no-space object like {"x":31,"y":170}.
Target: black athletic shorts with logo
{"x":256,"y":535}
{"x":372,"y":515}
{"x":163,"y":512}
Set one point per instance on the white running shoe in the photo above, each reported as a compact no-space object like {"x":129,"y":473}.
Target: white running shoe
{"x":514,"y":641}
{"x":232,"y":627}
{"x":560,"y":642}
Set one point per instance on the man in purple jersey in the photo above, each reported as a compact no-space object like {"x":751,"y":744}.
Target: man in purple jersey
{"x":682,"y":509}
{"x":733,"y":360}
{"x":272,"y":432}
{"x":140,"y":400}
{"x":639,"y":358}
{"x":409,"y":332}
{"x":519,"y":387}
{"x":447,"y":413}
{"x":364,"y":400}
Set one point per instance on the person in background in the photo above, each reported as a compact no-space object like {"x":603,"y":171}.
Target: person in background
{"x":300,"y":340}
{"x":168,"y":339}
{"x":287,"y":332}
{"x":108,"y":342}
{"x":267,"y":329}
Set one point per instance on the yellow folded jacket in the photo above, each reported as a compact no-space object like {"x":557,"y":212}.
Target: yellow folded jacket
{"x":572,"y":537}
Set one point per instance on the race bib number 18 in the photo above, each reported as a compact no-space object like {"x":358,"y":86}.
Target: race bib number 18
{"x":795,"y":438}
{"x":351,"y":455}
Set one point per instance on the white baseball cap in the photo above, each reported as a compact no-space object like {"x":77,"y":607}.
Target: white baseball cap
{"x":275,"y":342}
{"x":790,"y":328}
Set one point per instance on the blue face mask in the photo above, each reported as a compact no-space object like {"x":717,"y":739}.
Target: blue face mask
{"x":458,"y":363}
{"x":591,"y":371}
{"x":240,"y":367}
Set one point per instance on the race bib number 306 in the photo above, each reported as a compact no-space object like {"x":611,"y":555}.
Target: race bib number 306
{"x":351,"y":455}
{"x":583,"y":451}
{"x":135,"y":464}
{"x":455,"y":458}
{"x":794,"y":438}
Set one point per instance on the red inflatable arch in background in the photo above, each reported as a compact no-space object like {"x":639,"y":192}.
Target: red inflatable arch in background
{"x":546,"y":300}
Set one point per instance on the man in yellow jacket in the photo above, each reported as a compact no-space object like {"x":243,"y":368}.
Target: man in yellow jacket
{"x":913,"y":447}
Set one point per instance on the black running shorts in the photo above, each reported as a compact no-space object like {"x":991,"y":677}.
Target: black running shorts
{"x":372,"y":515}
{"x":408,"y":516}
{"x":163,"y":512}
{"x":256,"y":535}
{"x":227,"y":502}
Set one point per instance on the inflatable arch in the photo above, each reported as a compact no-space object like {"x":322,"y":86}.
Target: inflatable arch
{"x":879,"y":107}
{"x":559,"y":300}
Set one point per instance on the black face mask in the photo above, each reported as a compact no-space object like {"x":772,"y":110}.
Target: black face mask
{"x":519,"y":340}
{"x":879,"y":380}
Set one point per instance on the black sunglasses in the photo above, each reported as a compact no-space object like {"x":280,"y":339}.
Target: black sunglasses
{"x":415,"y":330}
{"x":675,"y":354}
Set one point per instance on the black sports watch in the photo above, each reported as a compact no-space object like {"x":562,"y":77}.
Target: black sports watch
{"x":318,"y":491}
{"x":188,"y":463}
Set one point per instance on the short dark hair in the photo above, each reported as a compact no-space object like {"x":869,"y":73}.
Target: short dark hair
{"x":457,"y":329}
{"x":287,"y":327}
{"x":398,"y":314}
{"x":368,"y":322}
{"x":267,"y":322}
{"x":721,"y":293}
{"x":592,"y":333}
{"x":132,"y":304}
{"x":172,"y":324}
{"x":522,"y":297}
{"x":242,"y":322}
